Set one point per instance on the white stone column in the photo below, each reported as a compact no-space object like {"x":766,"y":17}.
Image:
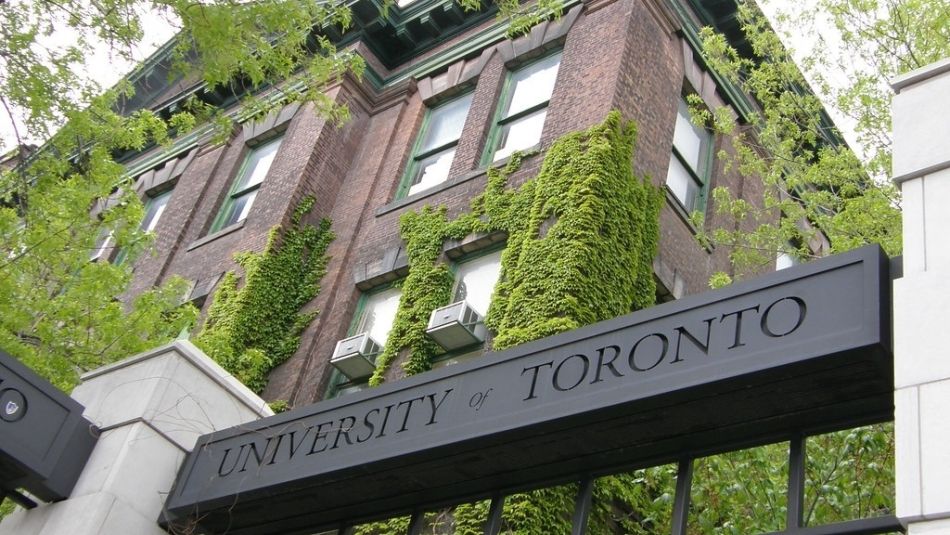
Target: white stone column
{"x":921,"y":115}
{"x":150,"y":409}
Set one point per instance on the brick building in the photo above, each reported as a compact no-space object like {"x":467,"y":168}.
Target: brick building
{"x":445,"y":96}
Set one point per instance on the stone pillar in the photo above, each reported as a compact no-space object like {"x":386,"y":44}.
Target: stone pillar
{"x":150,"y":409}
{"x":921,"y":166}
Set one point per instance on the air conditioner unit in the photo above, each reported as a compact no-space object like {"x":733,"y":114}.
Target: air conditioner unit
{"x":355,"y":356}
{"x":455,"y":326}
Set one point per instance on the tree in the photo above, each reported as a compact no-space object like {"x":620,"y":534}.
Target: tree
{"x":69,"y":198}
{"x":821,"y":192}
{"x":818,"y":186}
{"x":59,"y":311}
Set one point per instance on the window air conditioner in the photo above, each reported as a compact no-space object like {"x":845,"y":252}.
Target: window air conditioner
{"x":455,"y":326}
{"x":355,"y":356}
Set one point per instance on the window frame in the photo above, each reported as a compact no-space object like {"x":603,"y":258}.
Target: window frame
{"x":500,"y":119}
{"x":149,"y":202}
{"x":468,"y":352}
{"x":227,"y":207}
{"x":103,"y":247}
{"x":472,"y":257}
{"x":416,"y":156}
{"x":706,"y":158}
{"x":338,"y":381}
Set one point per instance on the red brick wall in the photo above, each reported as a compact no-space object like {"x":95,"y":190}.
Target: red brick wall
{"x":617,"y":55}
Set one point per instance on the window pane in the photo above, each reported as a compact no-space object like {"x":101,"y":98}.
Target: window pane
{"x":682,"y":183}
{"x":103,"y":245}
{"x":690,"y":140}
{"x":432,"y":171}
{"x":257,"y":164}
{"x":240,"y":207}
{"x":154,"y":210}
{"x":533,"y":84}
{"x":476,"y":281}
{"x":379,"y":312}
{"x":446,"y":122}
{"x":521,"y":134}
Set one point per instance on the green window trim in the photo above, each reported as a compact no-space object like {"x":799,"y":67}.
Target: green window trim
{"x":503,"y":118}
{"x":422,"y":157}
{"x":698,"y":177}
{"x":246,"y":184}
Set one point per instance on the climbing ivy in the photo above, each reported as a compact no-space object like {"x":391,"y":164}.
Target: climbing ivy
{"x":253,"y":328}
{"x":582,"y":236}
{"x":581,"y":240}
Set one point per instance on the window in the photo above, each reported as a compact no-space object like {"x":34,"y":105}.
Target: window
{"x":435,"y":148}
{"x":523,"y":108}
{"x":377,"y":314}
{"x":689,"y":162}
{"x":103,"y":247}
{"x":787,"y":258}
{"x":154,"y":208}
{"x":475,"y":281}
{"x":248,"y":181}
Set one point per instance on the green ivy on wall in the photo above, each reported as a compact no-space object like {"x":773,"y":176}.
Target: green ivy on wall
{"x":253,"y":328}
{"x":582,"y":236}
{"x":581,"y":240}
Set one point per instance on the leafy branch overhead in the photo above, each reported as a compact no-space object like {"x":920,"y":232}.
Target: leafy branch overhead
{"x":829,"y":199}
{"x":68,"y":199}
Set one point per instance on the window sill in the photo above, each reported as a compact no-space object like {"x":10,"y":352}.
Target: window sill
{"x":448,"y":184}
{"x":211,"y":237}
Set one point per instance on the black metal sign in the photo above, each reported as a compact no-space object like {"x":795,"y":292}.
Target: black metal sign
{"x":44,"y":439}
{"x":795,"y":351}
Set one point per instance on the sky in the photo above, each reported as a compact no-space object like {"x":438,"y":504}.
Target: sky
{"x":107,"y":68}
{"x":103,"y":66}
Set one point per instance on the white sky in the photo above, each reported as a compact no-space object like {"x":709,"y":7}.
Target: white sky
{"x":102,"y":66}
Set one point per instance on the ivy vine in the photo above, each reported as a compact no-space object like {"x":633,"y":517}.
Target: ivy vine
{"x":253,"y":328}
{"x":582,"y":236}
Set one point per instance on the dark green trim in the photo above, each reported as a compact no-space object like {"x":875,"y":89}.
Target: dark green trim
{"x":224,"y":213}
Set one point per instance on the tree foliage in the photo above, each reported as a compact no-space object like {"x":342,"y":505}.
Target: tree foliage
{"x":817,"y":187}
{"x":59,"y":311}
